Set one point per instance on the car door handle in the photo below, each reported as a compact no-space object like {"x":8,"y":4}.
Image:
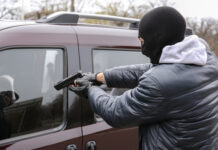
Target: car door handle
{"x":91,"y":145}
{"x":71,"y":147}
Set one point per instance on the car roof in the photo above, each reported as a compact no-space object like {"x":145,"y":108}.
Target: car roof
{"x":31,"y":33}
{"x":4,"y":24}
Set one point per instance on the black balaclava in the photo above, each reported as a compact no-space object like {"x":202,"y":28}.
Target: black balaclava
{"x":160,"y":27}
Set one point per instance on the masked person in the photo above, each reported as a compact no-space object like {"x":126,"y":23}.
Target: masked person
{"x":173,"y":100}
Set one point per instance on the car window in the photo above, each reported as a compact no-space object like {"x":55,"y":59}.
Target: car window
{"x":104,"y":59}
{"x":28,"y":101}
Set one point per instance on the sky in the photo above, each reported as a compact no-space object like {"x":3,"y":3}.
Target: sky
{"x":189,"y":8}
{"x":197,"y":8}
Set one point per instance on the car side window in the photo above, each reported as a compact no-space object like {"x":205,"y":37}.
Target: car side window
{"x":28,"y":101}
{"x":104,"y":59}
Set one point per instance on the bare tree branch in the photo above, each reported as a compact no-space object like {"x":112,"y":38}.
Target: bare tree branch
{"x":206,"y":28}
{"x":9,"y":11}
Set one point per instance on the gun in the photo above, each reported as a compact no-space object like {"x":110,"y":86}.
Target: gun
{"x":67,"y":81}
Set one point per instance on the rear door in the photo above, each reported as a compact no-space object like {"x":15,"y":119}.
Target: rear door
{"x":105,"y":49}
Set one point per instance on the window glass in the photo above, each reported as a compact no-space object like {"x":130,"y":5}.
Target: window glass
{"x":104,"y":59}
{"x":28,"y":101}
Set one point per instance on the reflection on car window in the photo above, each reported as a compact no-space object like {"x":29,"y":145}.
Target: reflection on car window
{"x":28,"y":101}
{"x":104,"y":59}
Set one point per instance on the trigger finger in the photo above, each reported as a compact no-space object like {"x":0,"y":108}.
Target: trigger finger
{"x":75,"y":83}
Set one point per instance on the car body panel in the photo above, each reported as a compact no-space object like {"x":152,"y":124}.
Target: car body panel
{"x":110,"y":37}
{"x":58,"y":140}
{"x":108,"y":138}
{"x":4,"y":24}
{"x":78,"y":42}
{"x":41,"y":34}
{"x":48,"y":36}
{"x":104,"y":135}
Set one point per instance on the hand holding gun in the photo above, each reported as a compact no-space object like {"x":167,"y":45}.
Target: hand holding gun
{"x":80,"y":83}
{"x":67,"y":81}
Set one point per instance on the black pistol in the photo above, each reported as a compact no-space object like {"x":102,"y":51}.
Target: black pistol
{"x":67,"y":81}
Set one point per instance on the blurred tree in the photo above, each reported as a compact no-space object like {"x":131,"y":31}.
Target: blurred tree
{"x":72,"y":6}
{"x":129,"y":8}
{"x":158,"y":3}
{"x":9,"y":9}
{"x":46,"y":7}
{"x":119,"y":8}
{"x":80,"y":5}
{"x":206,"y":28}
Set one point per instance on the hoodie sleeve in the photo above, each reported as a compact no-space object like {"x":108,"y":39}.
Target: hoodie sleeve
{"x":141,"y":105}
{"x":125,"y":76}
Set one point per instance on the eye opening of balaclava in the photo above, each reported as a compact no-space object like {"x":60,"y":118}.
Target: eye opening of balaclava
{"x":160,"y":27}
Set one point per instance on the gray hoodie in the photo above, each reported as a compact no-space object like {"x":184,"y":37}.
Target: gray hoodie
{"x":189,"y":51}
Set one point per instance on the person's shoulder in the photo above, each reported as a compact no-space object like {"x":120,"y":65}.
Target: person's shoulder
{"x":156,"y":75}
{"x":158,"y":71}
{"x":172,"y":78}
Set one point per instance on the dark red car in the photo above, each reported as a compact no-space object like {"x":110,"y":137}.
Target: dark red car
{"x":36,"y":55}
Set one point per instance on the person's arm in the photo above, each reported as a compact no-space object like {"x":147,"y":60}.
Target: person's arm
{"x":123,"y":76}
{"x":142,"y":105}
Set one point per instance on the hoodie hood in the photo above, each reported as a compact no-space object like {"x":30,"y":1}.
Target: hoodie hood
{"x":189,"y":51}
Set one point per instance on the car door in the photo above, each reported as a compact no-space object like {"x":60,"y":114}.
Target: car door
{"x":31,"y":107}
{"x":101,"y":134}
{"x":95,"y":57}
